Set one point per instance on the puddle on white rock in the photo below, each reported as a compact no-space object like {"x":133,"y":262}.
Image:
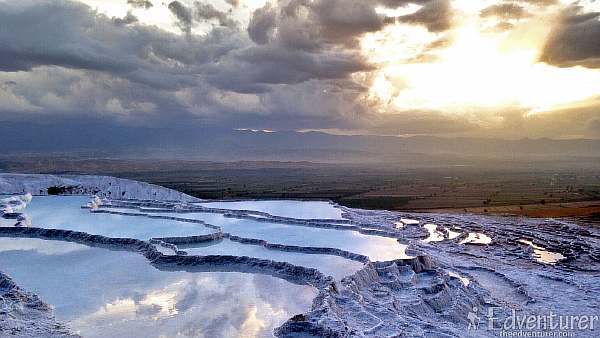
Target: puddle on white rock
{"x":476,"y":238}
{"x":452,"y":234}
{"x":65,"y":212}
{"x":335,"y":266}
{"x":375,"y":247}
{"x":542,"y":255}
{"x":434,"y":234}
{"x":284,"y":208}
{"x":104,"y":293}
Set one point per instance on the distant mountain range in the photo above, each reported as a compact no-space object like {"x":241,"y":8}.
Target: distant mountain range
{"x":216,"y":144}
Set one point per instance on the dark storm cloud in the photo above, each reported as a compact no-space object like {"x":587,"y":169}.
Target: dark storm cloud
{"x":78,"y":38}
{"x":575,"y":40}
{"x":204,"y":11}
{"x":140,"y":4}
{"x":88,"y":64}
{"x":305,"y":40}
{"x":183,"y":14}
{"x":311,"y":25}
{"x":262,"y":24}
{"x":199,"y":12}
{"x":91,"y":95}
{"x":153,"y":57}
{"x":433,"y":14}
{"x":341,"y":21}
{"x":505,"y":11}
{"x":126,"y":20}
{"x":293,"y":67}
{"x":272,"y":65}
{"x":23,"y":47}
{"x":298,"y":39}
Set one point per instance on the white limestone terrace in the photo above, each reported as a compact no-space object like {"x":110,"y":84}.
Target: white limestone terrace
{"x":24,"y":314}
{"x":103,"y":186}
{"x":432,"y":290}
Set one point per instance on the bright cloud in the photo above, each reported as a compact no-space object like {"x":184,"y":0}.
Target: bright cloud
{"x":382,"y":66}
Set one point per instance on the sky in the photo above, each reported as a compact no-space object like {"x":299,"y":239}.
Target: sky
{"x":486,"y":68}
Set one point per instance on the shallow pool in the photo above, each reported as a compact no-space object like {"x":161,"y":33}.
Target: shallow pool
{"x":284,"y":208}
{"x":65,"y":212}
{"x":375,"y":247}
{"x":104,"y":293}
{"x":335,"y":266}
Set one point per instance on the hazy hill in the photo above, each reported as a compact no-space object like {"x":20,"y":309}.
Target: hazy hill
{"x":221,"y":144}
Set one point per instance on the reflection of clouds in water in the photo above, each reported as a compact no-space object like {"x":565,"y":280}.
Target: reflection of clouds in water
{"x":541,"y":254}
{"x":217,"y":305}
{"x":252,"y":325}
{"x":104,"y":293}
{"x":7,"y":222}
{"x":164,"y":300}
{"x":66,"y":213}
{"x":375,"y":247}
{"x":335,"y":266}
{"x":155,"y":305}
{"x":40,"y":246}
{"x":188,"y":297}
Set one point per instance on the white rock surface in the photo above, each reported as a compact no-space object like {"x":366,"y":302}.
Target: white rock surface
{"x":102,"y":186}
{"x":431,"y":295}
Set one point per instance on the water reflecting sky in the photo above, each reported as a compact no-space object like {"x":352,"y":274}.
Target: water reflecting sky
{"x":375,"y":247}
{"x":103,"y":293}
{"x":335,"y":266}
{"x":65,"y":212}
{"x":100,"y":292}
{"x":284,"y":208}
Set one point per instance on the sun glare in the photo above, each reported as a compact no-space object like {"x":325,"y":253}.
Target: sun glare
{"x":473,"y":69}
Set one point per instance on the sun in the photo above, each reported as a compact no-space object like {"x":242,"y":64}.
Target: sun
{"x":472,"y":68}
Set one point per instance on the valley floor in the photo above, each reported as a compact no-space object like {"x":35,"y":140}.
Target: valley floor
{"x":587,"y":210}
